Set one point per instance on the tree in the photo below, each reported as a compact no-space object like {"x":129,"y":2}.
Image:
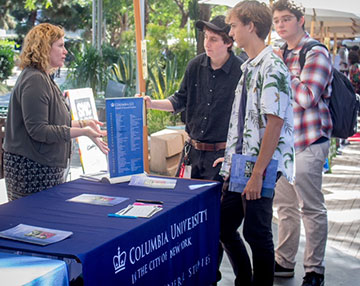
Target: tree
{"x":119,"y":16}
{"x":204,"y":13}
{"x":6,"y":20}
{"x":71,"y":14}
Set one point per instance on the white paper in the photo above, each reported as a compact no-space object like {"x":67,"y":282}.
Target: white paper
{"x":143,"y":210}
{"x":152,"y":182}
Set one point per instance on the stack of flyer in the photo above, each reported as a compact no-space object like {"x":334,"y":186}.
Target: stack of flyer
{"x":140,"y":210}
{"x":95,"y":199}
{"x":35,"y":234}
{"x":152,"y":182}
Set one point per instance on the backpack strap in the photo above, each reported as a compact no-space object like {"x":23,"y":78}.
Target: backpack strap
{"x":307,"y":47}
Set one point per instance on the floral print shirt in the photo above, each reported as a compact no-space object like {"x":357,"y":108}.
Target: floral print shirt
{"x":268,"y":92}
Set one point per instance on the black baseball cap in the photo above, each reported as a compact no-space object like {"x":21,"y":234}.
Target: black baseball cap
{"x":217,"y":24}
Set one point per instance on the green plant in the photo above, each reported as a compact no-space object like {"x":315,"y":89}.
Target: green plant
{"x":7,"y":61}
{"x":164,"y":81}
{"x":110,"y":54}
{"x":124,"y":71}
{"x":88,"y":69}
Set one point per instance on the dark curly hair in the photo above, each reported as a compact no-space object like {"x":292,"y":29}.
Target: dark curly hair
{"x":353,"y":57}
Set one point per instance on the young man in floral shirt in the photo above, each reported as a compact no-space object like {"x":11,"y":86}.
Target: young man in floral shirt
{"x":304,"y":199}
{"x":261,"y":124}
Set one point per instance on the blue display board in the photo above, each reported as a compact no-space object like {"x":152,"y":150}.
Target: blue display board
{"x":124,"y":117}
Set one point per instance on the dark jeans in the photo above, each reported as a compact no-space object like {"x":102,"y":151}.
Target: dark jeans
{"x":201,"y":168}
{"x":257,"y":216}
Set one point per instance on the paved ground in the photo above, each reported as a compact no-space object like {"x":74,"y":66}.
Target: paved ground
{"x":342,"y":194}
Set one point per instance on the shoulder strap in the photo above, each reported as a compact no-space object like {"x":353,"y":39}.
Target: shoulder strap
{"x":307,"y":47}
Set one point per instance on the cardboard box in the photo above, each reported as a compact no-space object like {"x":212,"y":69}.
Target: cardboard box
{"x":165,"y":151}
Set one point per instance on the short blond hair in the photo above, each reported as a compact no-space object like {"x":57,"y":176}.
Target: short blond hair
{"x":37,"y":45}
{"x":255,"y":12}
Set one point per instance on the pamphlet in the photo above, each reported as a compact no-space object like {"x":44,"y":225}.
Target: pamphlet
{"x":241,"y":170}
{"x":35,"y":234}
{"x":101,"y":200}
{"x":140,"y":210}
{"x":104,"y":177}
{"x":152,"y":182}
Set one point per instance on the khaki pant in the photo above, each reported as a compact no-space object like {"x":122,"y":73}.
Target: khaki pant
{"x":303,"y":200}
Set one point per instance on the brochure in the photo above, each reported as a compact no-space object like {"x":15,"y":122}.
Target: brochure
{"x":152,"y":182}
{"x":241,"y":170}
{"x":104,"y":177}
{"x":140,"y":210}
{"x":35,"y":234}
{"x":101,"y":200}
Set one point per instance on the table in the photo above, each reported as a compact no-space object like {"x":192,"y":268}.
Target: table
{"x":177,"y":246}
{"x":30,"y":270}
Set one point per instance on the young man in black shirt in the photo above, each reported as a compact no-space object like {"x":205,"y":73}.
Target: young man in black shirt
{"x":206,"y":95}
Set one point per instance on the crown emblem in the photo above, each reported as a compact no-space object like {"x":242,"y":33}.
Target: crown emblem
{"x":119,"y":261}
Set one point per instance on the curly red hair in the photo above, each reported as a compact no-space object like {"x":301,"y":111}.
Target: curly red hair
{"x":37,"y":45}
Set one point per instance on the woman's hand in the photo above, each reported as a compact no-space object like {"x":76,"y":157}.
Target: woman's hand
{"x":103,"y":146}
{"x":96,"y":137}
{"x":94,"y":124}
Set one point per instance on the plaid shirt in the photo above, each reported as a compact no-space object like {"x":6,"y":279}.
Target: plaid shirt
{"x":312,"y":90}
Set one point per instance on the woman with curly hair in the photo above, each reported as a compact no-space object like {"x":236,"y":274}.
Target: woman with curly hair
{"x":39,"y":128}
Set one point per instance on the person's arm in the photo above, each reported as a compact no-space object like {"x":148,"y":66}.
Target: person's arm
{"x":161,"y":104}
{"x":91,"y":129}
{"x":36,"y":97}
{"x":93,"y":123}
{"x":310,"y":84}
{"x":35,"y":100}
{"x":269,"y":143}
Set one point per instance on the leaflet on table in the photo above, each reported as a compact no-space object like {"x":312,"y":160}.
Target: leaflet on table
{"x":140,"y":210}
{"x":94,"y":199}
{"x":241,"y":170}
{"x":35,"y":234}
{"x":152,"y":182}
{"x":124,"y":119}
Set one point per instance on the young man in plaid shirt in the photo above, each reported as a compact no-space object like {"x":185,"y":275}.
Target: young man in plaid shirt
{"x":311,"y":89}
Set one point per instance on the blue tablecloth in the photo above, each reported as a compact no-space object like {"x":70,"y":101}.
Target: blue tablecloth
{"x":30,"y":270}
{"x":178,"y":244}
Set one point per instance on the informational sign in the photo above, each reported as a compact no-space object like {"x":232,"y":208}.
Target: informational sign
{"x":83,"y":107}
{"x":124,"y":117}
